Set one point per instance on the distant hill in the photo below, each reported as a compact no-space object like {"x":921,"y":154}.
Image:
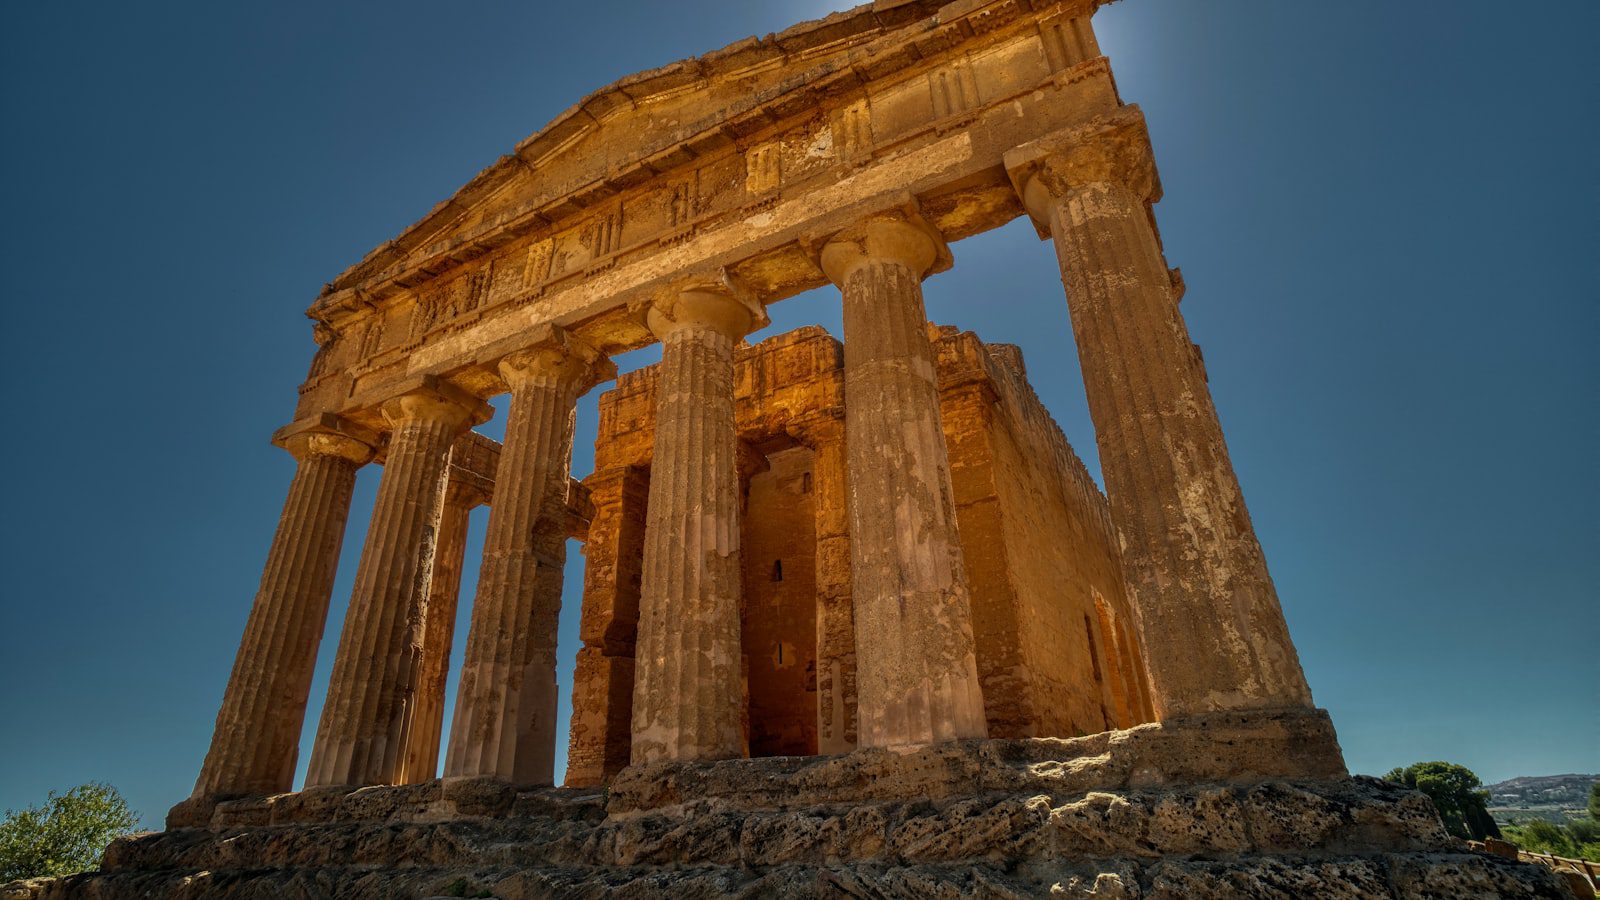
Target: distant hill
{"x":1553,"y":797}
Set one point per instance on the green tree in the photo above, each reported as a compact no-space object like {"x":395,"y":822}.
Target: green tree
{"x":63,"y":835}
{"x":1455,"y":791}
{"x":1594,"y":801}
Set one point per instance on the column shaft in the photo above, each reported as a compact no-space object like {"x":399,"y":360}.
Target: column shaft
{"x":505,"y":719}
{"x":688,"y":685}
{"x":257,"y":737}
{"x":438,"y":635}
{"x":916,"y":675}
{"x":1214,"y":633}
{"x":366,"y":719}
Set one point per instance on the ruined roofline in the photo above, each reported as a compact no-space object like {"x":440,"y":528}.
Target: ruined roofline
{"x":1005,"y":370}
{"x":998,"y":368}
{"x":643,"y":378}
{"x":847,"y":30}
{"x":1068,"y":462}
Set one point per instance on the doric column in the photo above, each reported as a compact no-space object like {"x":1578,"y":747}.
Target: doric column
{"x":687,"y":685}
{"x":257,"y":736}
{"x":916,"y":676}
{"x":1214,"y":635}
{"x":366,"y":720}
{"x":505,"y":717}
{"x":438,"y":632}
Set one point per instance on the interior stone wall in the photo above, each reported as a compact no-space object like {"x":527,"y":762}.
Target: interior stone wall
{"x":599,"y":740}
{"x":779,"y":621}
{"x":1039,"y":551}
{"x":1064,"y":558}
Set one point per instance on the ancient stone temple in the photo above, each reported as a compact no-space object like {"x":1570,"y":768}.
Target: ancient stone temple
{"x":855,"y":621}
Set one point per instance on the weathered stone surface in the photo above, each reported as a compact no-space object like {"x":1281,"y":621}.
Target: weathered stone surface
{"x":1342,"y":879}
{"x":25,"y":889}
{"x":438,"y":633}
{"x":779,"y":628}
{"x":687,"y":694}
{"x":256,"y":741}
{"x":366,"y":719}
{"x":1056,"y":638}
{"x":1223,"y":747}
{"x":601,"y":734}
{"x":843,"y":827}
{"x":916,"y":673}
{"x":1441,"y":875}
{"x":838,"y":728}
{"x":504,"y":723}
{"x":1194,"y":564}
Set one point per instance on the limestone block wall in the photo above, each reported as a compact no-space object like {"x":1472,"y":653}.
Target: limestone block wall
{"x":1055,"y":633}
{"x":599,"y":743}
{"x":1075,"y":511}
{"x":779,"y":635}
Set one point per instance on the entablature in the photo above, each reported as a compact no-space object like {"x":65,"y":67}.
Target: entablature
{"x":915,"y":116}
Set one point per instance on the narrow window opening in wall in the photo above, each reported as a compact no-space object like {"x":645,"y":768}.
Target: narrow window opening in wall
{"x":1094,"y":651}
{"x":777,"y":570}
{"x":780,"y":653}
{"x":805,"y":483}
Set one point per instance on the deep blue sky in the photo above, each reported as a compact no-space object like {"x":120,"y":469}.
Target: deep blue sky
{"x":1385,"y":213}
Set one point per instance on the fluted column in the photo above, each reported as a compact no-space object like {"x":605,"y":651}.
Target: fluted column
{"x":1214,"y":635}
{"x":367,"y":717}
{"x":505,"y":718}
{"x":687,"y":682}
{"x":438,"y":632}
{"x":257,"y":735}
{"x":916,"y":675}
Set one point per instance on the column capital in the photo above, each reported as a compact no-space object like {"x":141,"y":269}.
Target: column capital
{"x":900,"y":237}
{"x":434,"y":398}
{"x":720,"y":305}
{"x":1112,"y":149}
{"x":554,"y":352}
{"x":326,"y":434}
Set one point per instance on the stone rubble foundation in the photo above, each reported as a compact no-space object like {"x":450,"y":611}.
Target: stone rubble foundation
{"x":1200,"y":809}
